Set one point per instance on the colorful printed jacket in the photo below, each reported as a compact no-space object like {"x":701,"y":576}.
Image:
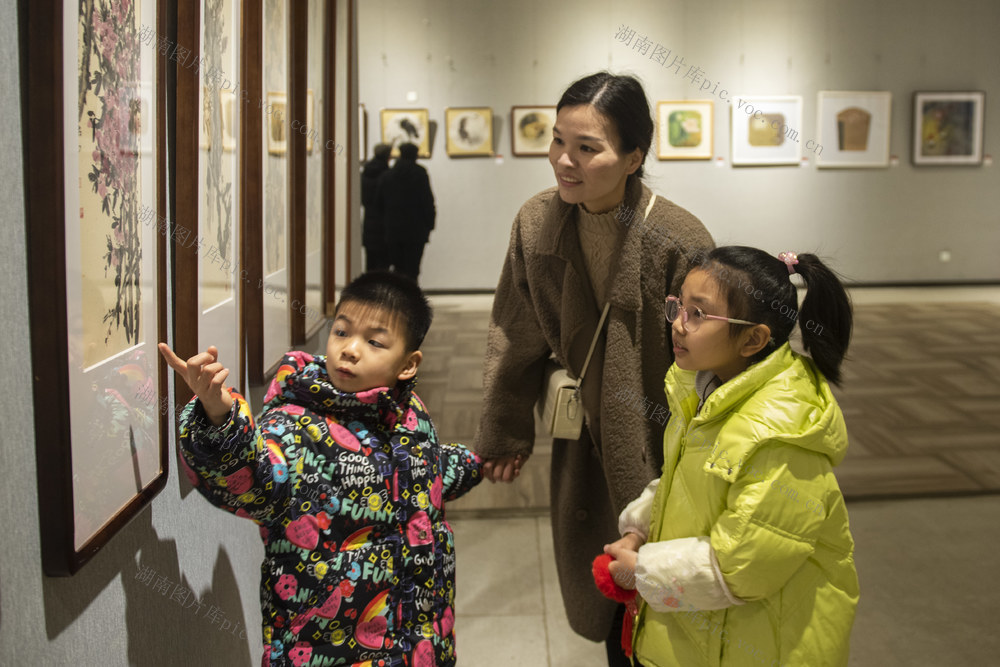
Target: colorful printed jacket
{"x":348,"y":492}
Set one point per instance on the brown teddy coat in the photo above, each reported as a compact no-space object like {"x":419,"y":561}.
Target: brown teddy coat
{"x":544,"y":305}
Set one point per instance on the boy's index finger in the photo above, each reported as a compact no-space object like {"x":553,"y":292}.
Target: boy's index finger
{"x":171,"y":358}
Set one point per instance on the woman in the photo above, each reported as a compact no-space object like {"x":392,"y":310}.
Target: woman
{"x":572,"y":249}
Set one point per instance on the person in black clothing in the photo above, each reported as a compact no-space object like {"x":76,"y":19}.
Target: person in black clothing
{"x":372,"y":229}
{"x":405,"y":205}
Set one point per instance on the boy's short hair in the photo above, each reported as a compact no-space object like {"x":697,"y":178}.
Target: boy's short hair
{"x":398,"y":295}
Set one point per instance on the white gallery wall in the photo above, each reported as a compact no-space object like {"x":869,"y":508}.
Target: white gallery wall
{"x":887,"y":225}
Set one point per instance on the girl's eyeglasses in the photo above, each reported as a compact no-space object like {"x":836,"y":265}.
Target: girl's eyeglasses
{"x":692,"y":320}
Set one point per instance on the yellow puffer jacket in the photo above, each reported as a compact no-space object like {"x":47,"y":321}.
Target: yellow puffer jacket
{"x":751,"y":476}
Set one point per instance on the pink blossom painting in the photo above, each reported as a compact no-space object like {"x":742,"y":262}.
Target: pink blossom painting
{"x":109,"y":129}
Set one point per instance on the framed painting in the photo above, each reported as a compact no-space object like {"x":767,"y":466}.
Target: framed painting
{"x":96,"y":203}
{"x":469,"y":131}
{"x":317,"y":165}
{"x":948,"y":128}
{"x":207,"y":234}
{"x":684,"y":130}
{"x":400,"y":126}
{"x":531,"y":130}
{"x":766,"y":130}
{"x":853,"y":128}
{"x":277,"y":113}
{"x":272,"y":267}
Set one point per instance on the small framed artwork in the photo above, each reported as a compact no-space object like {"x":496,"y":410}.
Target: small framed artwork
{"x":96,"y":239}
{"x":948,"y":128}
{"x":400,"y":126}
{"x":469,"y":131}
{"x":684,"y":130}
{"x":766,"y":130}
{"x":531,"y":130}
{"x":277,"y":111}
{"x":853,"y":129}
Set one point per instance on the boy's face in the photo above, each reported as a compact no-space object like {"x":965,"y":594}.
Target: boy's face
{"x":367,"y":349}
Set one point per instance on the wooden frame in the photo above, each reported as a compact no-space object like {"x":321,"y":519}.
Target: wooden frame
{"x":269,"y":255}
{"x":531,"y":130}
{"x":209,"y":282}
{"x":948,"y":128}
{"x":468,"y":131}
{"x":99,"y":385}
{"x":685,"y":130}
{"x":854,"y":128}
{"x":406,"y":125}
{"x":298,"y":27}
{"x":308,"y":309}
{"x":766,"y":130}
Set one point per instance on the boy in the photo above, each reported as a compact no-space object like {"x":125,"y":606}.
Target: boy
{"x":344,"y":474}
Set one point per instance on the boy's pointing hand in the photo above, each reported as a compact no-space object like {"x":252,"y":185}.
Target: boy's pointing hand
{"x":206,"y":377}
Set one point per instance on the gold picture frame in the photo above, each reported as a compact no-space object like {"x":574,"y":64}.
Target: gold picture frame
{"x":469,"y":131}
{"x":531,"y":130}
{"x":406,"y":126}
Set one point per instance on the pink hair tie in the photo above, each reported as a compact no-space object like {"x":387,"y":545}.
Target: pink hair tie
{"x":790,"y":259}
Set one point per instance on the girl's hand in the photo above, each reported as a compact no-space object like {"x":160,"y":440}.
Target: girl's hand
{"x":625,"y":554}
{"x":205,"y":376}
{"x":503,"y":470}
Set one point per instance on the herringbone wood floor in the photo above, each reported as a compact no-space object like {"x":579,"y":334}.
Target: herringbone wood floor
{"x":921,"y":396}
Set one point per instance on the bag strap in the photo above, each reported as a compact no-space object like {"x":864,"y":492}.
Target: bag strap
{"x":649,"y":206}
{"x":593,"y":344}
{"x":604,"y":315}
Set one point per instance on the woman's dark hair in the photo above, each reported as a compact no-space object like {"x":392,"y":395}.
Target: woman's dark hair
{"x":757,"y":288}
{"x":397,"y":295}
{"x":621,"y":99}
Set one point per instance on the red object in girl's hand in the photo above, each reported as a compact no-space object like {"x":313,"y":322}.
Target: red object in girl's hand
{"x":612,"y":591}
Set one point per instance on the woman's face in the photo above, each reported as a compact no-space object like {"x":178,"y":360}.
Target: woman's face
{"x":586,"y":158}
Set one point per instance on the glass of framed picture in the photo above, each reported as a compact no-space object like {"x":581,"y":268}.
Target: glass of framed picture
{"x":95,"y":182}
{"x":531,"y":130}
{"x":853,"y":128}
{"x":684,"y":130}
{"x":766,"y":130}
{"x":400,"y":126}
{"x":948,"y":128}
{"x":469,"y":131}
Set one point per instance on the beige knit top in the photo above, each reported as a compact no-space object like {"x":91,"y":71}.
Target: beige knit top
{"x":600,"y":235}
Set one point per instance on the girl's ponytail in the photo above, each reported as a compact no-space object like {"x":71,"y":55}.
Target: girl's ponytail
{"x":825,"y":318}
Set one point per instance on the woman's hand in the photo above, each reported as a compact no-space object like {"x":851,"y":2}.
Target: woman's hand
{"x":504,"y":469}
{"x":205,"y":376}
{"x":625,"y":554}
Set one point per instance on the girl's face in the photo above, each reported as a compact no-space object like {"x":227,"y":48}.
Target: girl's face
{"x":588,"y":165}
{"x":710,"y":347}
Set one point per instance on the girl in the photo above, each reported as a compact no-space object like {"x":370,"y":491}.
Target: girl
{"x":741,"y":551}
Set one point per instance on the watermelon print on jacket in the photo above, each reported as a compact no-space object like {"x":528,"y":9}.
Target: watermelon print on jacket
{"x":348,"y":491}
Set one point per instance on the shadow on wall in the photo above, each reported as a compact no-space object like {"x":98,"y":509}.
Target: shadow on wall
{"x":165,"y":621}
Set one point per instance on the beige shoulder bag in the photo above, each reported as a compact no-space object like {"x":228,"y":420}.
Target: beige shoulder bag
{"x":559,"y":406}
